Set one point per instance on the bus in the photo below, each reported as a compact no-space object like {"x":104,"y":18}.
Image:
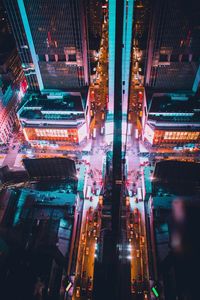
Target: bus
{"x":88,"y":192}
{"x":139,"y":194}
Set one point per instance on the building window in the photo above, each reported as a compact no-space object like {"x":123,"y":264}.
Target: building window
{"x":51,"y":57}
{"x":163,"y":57}
{"x":61,"y":57}
{"x":185,"y":58}
{"x":71,"y":57}
{"x":174,"y":58}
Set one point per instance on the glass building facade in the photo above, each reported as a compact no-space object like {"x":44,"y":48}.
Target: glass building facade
{"x":52,"y":41}
{"x":94,"y":23}
{"x":126,"y":56}
{"x":22,"y":43}
{"x":126,"y":60}
{"x":173,"y":45}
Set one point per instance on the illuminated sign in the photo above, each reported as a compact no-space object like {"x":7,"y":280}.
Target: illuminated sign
{"x":51,"y":132}
{"x":181,"y":135}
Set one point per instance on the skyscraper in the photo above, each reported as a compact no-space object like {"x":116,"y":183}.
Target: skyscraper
{"x":173,"y":45}
{"x":51,"y":38}
{"x":126,"y":59}
{"x":94,"y":22}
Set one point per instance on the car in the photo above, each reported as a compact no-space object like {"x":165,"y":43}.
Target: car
{"x":95,"y":218}
{"x":102,"y":130}
{"x":127,"y":201}
{"x":83,"y":237}
{"x":97,"y":192}
{"x":89,"y":285}
{"x":78,"y":294}
{"x":131,"y":220}
{"x":136,"y":211}
{"x":84,"y":274}
{"x":87,"y":251}
{"x":133,"y":287}
{"x":94,"y":233}
{"x":138,"y":253}
{"x":142,"y":239}
{"x":130,"y":193}
{"x":62,"y":191}
{"x":91,"y":112}
{"x":91,"y":209}
{"x":139,"y":278}
{"x":134,"y":192}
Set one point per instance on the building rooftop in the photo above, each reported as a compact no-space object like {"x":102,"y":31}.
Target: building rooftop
{"x":180,"y":120}
{"x":174,"y":103}
{"x":7,"y":44}
{"x":40,"y":223}
{"x":176,"y":178}
{"x":68,"y":107}
{"x":43,"y":168}
{"x":174,"y":109}
{"x":37,"y":231}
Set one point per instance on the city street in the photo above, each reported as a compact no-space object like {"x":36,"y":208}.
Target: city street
{"x":136,"y":231}
{"x":99,"y":149}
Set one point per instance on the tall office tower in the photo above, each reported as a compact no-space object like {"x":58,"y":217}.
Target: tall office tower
{"x":140,"y":30}
{"x":94,"y":22}
{"x":174,"y":45}
{"x":141,"y":22}
{"x":126,"y":58}
{"x":4,"y":24}
{"x":51,"y":38}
